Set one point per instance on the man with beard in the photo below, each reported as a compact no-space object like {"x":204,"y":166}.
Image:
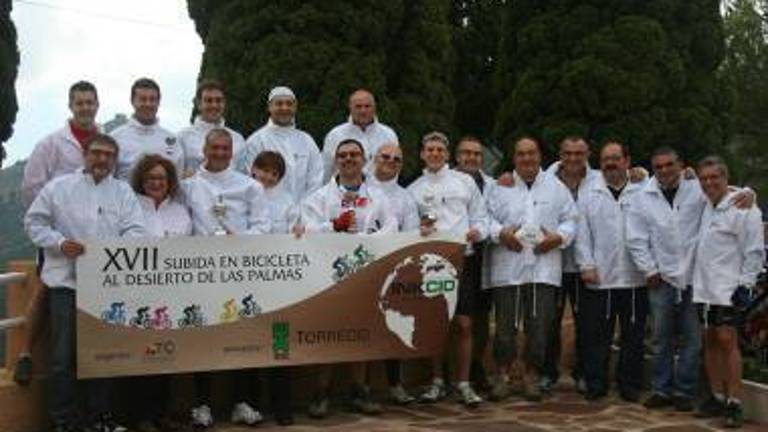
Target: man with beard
{"x":68,"y":211}
{"x":614,"y":285}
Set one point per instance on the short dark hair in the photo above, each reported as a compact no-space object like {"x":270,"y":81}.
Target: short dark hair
{"x":350,"y":141}
{"x":665,"y":151}
{"x":271,"y":160}
{"x":572,"y":138}
{"x":525,"y":137}
{"x":435,"y":136}
{"x":144,"y":83}
{"x":145,"y":165}
{"x":101,"y":138}
{"x":209,"y":84}
{"x":82,"y":86}
{"x":614,"y":141}
{"x":713,"y":161}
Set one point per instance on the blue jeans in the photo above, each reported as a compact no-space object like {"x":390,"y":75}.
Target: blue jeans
{"x":62,"y":395}
{"x":675,"y":324}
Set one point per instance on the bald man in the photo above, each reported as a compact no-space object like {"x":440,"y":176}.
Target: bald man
{"x":362,"y":125}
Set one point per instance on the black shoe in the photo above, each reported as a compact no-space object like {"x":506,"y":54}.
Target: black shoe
{"x":710,"y":408}
{"x":682,"y":403}
{"x":106,"y":423}
{"x":595,"y":395}
{"x":657,"y":401}
{"x":630,"y":395}
{"x":284,"y":420}
{"x":63,"y":427}
{"x":23,"y":373}
{"x":734,"y":415}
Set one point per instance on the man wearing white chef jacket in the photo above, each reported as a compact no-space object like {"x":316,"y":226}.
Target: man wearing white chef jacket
{"x":533,"y":221}
{"x":450,"y":201}
{"x":729,"y":256}
{"x":210,"y":104}
{"x":303,"y":163}
{"x":84,"y":205}
{"x":223,"y":201}
{"x":347,"y":204}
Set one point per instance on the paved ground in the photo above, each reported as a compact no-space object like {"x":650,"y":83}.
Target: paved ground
{"x":566,"y":411}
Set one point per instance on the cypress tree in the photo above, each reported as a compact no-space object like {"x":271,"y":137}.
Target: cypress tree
{"x":9,"y":67}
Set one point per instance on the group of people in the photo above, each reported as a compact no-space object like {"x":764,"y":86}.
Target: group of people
{"x":685,"y":248}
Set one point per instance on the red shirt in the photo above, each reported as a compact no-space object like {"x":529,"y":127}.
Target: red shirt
{"x":82,"y":135}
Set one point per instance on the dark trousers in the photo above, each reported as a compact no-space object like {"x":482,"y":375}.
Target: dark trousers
{"x":571,"y":290}
{"x":149,"y":396}
{"x":601,"y":310}
{"x":62,"y":396}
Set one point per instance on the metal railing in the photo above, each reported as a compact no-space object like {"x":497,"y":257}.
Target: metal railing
{"x":5,"y":279}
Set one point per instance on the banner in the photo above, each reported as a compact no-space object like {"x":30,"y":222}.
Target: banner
{"x":152,"y":306}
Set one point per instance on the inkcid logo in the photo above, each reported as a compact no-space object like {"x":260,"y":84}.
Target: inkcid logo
{"x":160,"y":350}
{"x":348,"y":264}
{"x":281,"y":336}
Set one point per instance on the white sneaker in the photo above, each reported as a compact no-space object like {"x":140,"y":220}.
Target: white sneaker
{"x":434,"y":392}
{"x":400,"y":396}
{"x":201,"y":417}
{"x":468,"y":396}
{"x":243,"y":413}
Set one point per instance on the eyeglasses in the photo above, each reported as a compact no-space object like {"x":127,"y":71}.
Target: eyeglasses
{"x":350,"y":154}
{"x":388,"y":157}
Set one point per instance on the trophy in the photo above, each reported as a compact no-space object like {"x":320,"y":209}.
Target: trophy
{"x":219,"y":211}
{"x":427,"y":210}
{"x":529,"y":235}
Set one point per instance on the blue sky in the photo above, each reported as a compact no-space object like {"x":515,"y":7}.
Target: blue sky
{"x":108,"y":42}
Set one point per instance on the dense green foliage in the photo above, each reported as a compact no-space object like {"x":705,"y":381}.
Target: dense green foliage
{"x":644,"y":71}
{"x":9,"y":67}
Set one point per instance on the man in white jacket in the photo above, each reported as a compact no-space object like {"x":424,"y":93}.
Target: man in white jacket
{"x":729,"y":256}
{"x":362,"y":125}
{"x":662,"y":227}
{"x":303,"y":164}
{"x":534,"y":221}
{"x":450,"y":201}
{"x":68,"y":211}
{"x":387,"y":164}
{"x":223,"y":201}
{"x":210,"y":103}
{"x":615,"y":286}
{"x":143,"y":133}
{"x":349,"y":204}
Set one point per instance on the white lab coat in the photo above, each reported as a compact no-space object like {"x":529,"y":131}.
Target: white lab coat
{"x":169,"y":219}
{"x":372,"y":137}
{"x":569,"y":253}
{"x":662,"y":238}
{"x":601,"y":240}
{"x":55,"y":155}
{"x":136,"y":140}
{"x":730,"y":252}
{"x":373,"y":216}
{"x":402,"y":202}
{"x":303,"y":164}
{"x":455,"y":200}
{"x":246,"y":205}
{"x":547,"y":204}
{"x":192,"y":140}
{"x":283,"y":210}
{"x":74,"y":207}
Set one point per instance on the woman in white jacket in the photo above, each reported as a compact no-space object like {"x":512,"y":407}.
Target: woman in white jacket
{"x":729,"y":256}
{"x":347,"y":204}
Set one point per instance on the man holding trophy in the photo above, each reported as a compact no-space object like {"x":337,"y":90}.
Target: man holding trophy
{"x":450,"y":201}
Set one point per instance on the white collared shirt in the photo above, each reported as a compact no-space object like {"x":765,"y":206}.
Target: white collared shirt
{"x":371,"y":137}
{"x":169,"y":219}
{"x":404,"y":206}
{"x":242,"y":197}
{"x":192,"y":140}
{"x":283,"y":210}
{"x":730,"y":252}
{"x":303,"y":164}
{"x":74,"y":207}
{"x":136,"y":140}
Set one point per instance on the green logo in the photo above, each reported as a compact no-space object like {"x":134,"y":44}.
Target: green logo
{"x":281,"y":332}
{"x":440,"y":286}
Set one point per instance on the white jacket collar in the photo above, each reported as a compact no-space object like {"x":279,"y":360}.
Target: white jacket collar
{"x":141,"y":127}
{"x":199,"y":123}
{"x":386,"y":185}
{"x":519,"y":180}
{"x":370,"y":125}
{"x":441,"y":173}
{"x":214,"y":176}
{"x":273,"y":125}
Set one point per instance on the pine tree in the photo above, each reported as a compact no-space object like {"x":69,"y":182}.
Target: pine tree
{"x":9,"y":67}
